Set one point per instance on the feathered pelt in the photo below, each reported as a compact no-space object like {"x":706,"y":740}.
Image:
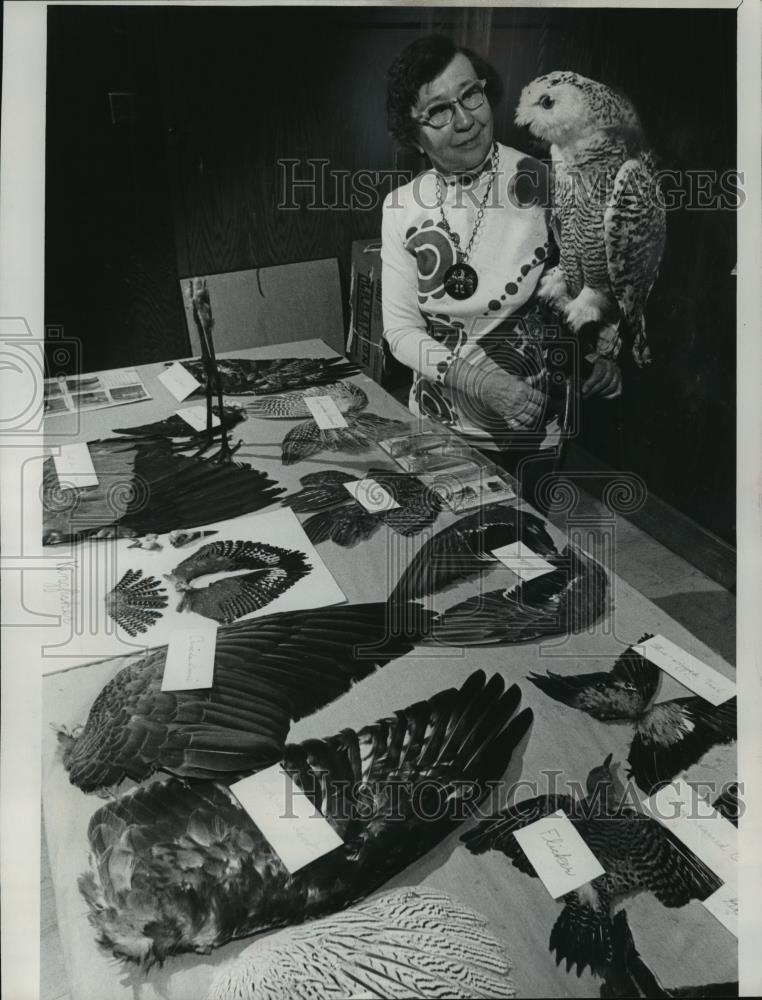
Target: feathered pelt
{"x":147,"y":486}
{"x":267,"y":672}
{"x":178,"y":867}
{"x":404,"y":944}
{"x":292,"y":405}
{"x":247,"y":377}
{"x":362,"y":432}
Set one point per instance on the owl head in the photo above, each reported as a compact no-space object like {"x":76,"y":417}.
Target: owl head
{"x":562,"y":107}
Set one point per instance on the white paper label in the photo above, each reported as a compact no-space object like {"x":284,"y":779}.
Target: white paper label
{"x":522,"y":561}
{"x":179,"y":381}
{"x":190,"y":658}
{"x":711,"y":837}
{"x":295,"y":829}
{"x":558,"y":854}
{"x":74,"y":466}
{"x":325,"y":412}
{"x":697,"y":676}
{"x":373,"y":497}
{"x":723,"y":904}
{"x":196,"y":417}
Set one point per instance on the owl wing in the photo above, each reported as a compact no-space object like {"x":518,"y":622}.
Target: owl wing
{"x":634,"y":227}
{"x":411,"y":942}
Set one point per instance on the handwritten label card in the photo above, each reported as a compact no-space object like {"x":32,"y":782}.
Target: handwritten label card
{"x":74,"y":466}
{"x":723,"y":904}
{"x":294,"y":827}
{"x":697,"y":676}
{"x":190,"y":658}
{"x":707,"y":833}
{"x":325,"y":412}
{"x":179,"y":381}
{"x":373,"y":497}
{"x":196,"y":417}
{"x":558,"y":854}
{"x":522,"y":561}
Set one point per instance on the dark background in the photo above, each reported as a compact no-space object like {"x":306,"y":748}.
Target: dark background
{"x":179,"y":177}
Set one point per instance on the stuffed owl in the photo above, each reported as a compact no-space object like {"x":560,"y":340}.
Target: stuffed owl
{"x":608,"y":216}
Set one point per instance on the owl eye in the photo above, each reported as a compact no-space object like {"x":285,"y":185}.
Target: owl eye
{"x":547,"y":102}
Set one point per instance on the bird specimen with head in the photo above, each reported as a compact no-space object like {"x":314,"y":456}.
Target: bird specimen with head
{"x":570,"y":598}
{"x":262,"y":377}
{"x":180,"y":867}
{"x":608,"y":215}
{"x":346,"y":521}
{"x":670,"y":736}
{"x":407,"y":943}
{"x":272,"y":571}
{"x":464,"y":550}
{"x":268,"y":672}
{"x":637,"y":853}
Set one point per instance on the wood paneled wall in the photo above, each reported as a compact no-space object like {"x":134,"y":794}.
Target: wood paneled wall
{"x":190,"y":182}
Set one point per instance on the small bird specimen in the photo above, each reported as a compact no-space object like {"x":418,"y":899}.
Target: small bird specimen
{"x":570,"y":598}
{"x":180,"y":867}
{"x":150,"y":543}
{"x":607,"y":214}
{"x":464,"y":550}
{"x":268,"y":672}
{"x":247,"y":377}
{"x":629,"y":976}
{"x":175,"y":427}
{"x":670,"y":736}
{"x":136,"y":602}
{"x":637,"y":853}
{"x":147,"y":486}
{"x":362,"y":431}
{"x":291,"y":405}
{"x":407,"y":943}
{"x":347,"y":522}
{"x":272,"y":571}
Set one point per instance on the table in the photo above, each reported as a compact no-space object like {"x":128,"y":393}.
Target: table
{"x":683,"y":947}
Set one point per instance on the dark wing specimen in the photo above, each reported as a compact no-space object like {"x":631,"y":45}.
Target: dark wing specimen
{"x":362,"y":431}
{"x":623,"y":692}
{"x":176,"y":427}
{"x":728,"y":803}
{"x":179,"y":867}
{"x":245,"y":376}
{"x":569,"y":599}
{"x":465,"y":549}
{"x":319,"y":490}
{"x":674,"y":735}
{"x":268,"y":672}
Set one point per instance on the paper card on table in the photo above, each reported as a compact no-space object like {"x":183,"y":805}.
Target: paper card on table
{"x":558,"y":854}
{"x":74,"y":466}
{"x":521,"y":560}
{"x":190,"y":658}
{"x":325,"y":412}
{"x":723,"y":904}
{"x":371,"y":495}
{"x":196,"y":417}
{"x":706,"y":832}
{"x":179,"y":381}
{"x":691,"y":672}
{"x":296,"y":830}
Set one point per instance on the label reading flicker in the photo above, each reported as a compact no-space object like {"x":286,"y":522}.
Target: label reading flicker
{"x":325,"y":412}
{"x":693,"y":673}
{"x":190,"y":658}
{"x":179,"y":381}
{"x":522,"y":561}
{"x":74,"y":467}
{"x":196,"y":417}
{"x":295,"y":829}
{"x":558,"y":854}
{"x":371,"y":495}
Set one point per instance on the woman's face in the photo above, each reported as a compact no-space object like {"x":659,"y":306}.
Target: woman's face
{"x":465,"y":142}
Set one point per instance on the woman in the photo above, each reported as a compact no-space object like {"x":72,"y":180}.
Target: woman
{"x":463,"y":248}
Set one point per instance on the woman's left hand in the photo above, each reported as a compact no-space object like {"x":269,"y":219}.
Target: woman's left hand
{"x":605,"y":380}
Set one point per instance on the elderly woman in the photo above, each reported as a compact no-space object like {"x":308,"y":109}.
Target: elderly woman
{"x":463,"y":248}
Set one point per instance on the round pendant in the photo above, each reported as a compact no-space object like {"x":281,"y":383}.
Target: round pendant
{"x":460,"y":281}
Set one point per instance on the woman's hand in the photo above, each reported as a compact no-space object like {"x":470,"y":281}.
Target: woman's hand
{"x":488,"y":391}
{"x":605,"y":380}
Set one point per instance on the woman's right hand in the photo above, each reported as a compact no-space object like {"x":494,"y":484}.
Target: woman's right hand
{"x":489,"y":392}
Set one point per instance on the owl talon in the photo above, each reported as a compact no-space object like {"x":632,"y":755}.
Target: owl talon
{"x":586,"y":308}
{"x":553,"y":291}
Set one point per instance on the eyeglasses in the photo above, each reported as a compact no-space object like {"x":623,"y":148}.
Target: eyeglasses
{"x":440,"y":115}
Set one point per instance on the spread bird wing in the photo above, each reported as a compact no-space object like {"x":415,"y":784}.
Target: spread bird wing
{"x":569,"y":599}
{"x":225,"y":601}
{"x":267,"y":672}
{"x":581,"y":936}
{"x":465,"y":549}
{"x":346,"y":526}
{"x":319,"y":490}
{"x":175,"y":427}
{"x":292,"y":405}
{"x":234,"y":554}
{"x":674,"y":735}
{"x":361,"y":432}
{"x":671,"y":871}
{"x":247,"y":376}
{"x":403,"y":944}
{"x":621,"y":693}
{"x":634,"y":228}
{"x":136,"y":602}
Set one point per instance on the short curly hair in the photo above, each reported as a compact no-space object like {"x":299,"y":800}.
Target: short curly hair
{"x":419,"y":63}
